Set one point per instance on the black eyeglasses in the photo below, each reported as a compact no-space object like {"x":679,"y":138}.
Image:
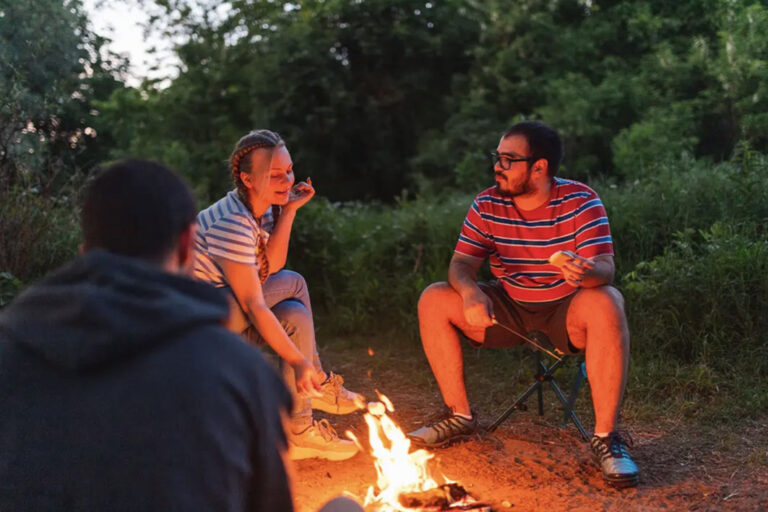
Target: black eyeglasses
{"x":506,"y":161}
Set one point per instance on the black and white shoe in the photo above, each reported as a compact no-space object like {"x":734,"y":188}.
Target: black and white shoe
{"x":444,"y":432}
{"x":615,"y":461}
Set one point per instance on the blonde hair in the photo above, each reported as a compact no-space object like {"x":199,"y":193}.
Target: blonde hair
{"x":241,"y":160}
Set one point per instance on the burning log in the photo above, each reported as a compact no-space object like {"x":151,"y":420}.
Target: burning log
{"x":441,"y":496}
{"x":450,"y":496}
{"x":404,"y":482}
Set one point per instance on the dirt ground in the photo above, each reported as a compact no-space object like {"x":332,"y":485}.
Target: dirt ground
{"x":530,"y":463}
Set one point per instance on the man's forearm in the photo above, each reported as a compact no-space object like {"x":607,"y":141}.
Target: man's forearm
{"x":601,"y":274}
{"x":462,"y":277}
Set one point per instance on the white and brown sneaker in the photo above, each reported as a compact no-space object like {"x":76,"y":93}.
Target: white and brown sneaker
{"x":320,"y":440}
{"x":335,"y":398}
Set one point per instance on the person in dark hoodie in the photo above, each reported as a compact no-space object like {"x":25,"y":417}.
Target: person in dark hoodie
{"x":119,"y":387}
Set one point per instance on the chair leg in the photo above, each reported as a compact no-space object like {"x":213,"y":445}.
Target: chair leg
{"x":541,"y":373}
{"x":570,"y":415}
{"x":533,"y":387}
{"x":545,"y":374}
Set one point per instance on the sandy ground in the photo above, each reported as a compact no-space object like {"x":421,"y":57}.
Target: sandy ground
{"x":530,"y":463}
{"x":525,"y":466}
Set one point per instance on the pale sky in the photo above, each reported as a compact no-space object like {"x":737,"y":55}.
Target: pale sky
{"x":122,"y":24}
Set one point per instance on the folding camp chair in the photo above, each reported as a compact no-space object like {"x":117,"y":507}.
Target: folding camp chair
{"x":539,"y":341}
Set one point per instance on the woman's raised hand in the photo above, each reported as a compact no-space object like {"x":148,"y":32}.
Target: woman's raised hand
{"x":300,"y":194}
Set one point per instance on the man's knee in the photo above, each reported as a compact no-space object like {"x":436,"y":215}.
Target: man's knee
{"x":602,"y":300}
{"x":433,"y":297}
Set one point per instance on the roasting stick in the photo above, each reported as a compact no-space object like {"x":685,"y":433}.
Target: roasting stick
{"x":558,"y":259}
{"x":527,"y":339}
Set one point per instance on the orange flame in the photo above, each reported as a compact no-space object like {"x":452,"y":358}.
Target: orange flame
{"x":397,"y":470}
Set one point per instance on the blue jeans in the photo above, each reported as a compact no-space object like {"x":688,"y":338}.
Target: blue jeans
{"x":286,"y":294}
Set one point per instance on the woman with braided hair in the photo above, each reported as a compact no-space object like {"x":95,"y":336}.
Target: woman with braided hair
{"x":241,"y":246}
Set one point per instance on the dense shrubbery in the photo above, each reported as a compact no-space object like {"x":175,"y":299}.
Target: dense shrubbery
{"x":366,"y":264}
{"x":698,"y":322}
{"x":692,"y":260}
{"x":671,"y":197}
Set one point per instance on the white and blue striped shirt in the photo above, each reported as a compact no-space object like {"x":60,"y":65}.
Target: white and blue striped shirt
{"x":227,"y":230}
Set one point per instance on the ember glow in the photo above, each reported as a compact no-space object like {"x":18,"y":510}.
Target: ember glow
{"x":398,"y":471}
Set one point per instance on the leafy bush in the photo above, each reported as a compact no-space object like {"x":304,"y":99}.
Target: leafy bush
{"x":366,"y":264}
{"x":640,"y":146}
{"x":698,"y":324}
{"x":684,"y":194}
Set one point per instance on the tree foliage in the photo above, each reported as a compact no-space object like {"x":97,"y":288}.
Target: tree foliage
{"x":628,"y":84}
{"x":51,"y":68}
{"x":375,"y":96}
{"x":352,"y":86}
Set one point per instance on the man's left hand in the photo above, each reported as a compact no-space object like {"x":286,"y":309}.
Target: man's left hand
{"x":573,"y":268}
{"x":301,"y":193}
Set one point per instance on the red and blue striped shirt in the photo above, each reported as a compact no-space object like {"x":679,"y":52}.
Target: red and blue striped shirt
{"x":519,"y":242}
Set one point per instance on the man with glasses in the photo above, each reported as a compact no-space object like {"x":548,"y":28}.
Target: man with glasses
{"x":519,"y":224}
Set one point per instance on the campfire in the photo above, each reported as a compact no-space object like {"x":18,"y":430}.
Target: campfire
{"x":404,"y":482}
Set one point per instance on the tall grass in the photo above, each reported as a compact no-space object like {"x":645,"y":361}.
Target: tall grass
{"x":700,"y":335}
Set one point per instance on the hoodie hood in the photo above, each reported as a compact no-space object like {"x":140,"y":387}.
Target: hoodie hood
{"x":101,"y":308}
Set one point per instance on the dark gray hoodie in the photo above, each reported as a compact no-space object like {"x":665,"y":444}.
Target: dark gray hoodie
{"x":120,"y":390}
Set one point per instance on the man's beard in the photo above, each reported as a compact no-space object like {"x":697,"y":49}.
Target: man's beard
{"x":522,"y":188}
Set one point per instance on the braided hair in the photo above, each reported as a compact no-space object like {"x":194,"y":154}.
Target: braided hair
{"x":240,"y":161}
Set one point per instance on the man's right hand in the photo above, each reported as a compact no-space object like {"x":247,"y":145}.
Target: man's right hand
{"x":478,"y":308}
{"x":308,"y":380}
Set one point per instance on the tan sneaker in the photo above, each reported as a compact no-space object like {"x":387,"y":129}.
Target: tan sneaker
{"x":336,"y":399}
{"x":320,"y":440}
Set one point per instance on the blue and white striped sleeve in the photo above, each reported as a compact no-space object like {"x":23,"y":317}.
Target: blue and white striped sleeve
{"x":232,"y":239}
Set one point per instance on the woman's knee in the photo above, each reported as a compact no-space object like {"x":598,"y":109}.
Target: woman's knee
{"x":290,"y":279}
{"x":293,"y":315}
